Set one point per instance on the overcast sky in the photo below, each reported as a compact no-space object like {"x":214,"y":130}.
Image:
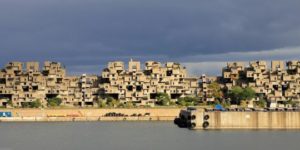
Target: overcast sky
{"x":201,"y":34}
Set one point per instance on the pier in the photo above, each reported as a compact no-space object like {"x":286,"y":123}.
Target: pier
{"x":207,"y":120}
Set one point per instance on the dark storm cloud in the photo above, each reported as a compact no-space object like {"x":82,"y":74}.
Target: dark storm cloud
{"x":88,"y":33}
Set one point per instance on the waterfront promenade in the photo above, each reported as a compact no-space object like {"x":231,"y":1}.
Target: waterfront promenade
{"x":113,"y":114}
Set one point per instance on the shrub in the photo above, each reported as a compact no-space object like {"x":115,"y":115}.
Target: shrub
{"x":35,"y":104}
{"x":292,"y":103}
{"x":248,"y":93}
{"x":237,"y":94}
{"x":129,"y":104}
{"x":10,"y":103}
{"x":187,"y":101}
{"x":261,"y":103}
{"x":215,"y":90}
{"x":243,"y":103}
{"x":163,"y":99}
{"x":112,"y":102}
{"x":53,"y":102}
{"x":102,"y":104}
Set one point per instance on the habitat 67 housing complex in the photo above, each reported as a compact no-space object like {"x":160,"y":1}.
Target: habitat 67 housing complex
{"x":23,"y":83}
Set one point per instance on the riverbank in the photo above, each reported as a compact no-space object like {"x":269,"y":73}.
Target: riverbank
{"x":114,"y":114}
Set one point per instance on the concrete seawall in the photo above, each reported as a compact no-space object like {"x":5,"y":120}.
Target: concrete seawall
{"x":66,"y":119}
{"x":248,"y":120}
{"x":43,"y":115}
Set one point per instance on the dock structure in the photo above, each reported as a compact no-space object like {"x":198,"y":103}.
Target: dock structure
{"x":207,"y":120}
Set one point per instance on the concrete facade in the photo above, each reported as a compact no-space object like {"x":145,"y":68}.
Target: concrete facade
{"x":278,"y":84}
{"x":22,"y":83}
{"x":142,"y":85}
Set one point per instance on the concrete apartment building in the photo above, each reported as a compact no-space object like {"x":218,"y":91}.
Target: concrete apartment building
{"x":278,"y":84}
{"x":141,"y":86}
{"x":23,"y":83}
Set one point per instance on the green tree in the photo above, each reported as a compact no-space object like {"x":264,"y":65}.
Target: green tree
{"x":25,"y":105}
{"x":129,"y":104}
{"x":109,"y":99}
{"x":261,"y":103}
{"x":243,"y":103}
{"x":121,"y":105}
{"x":163,"y":99}
{"x":226,"y":103}
{"x":10,"y":103}
{"x":292,"y":103}
{"x":54,"y":102}
{"x":181,"y":102}
{"x":187,"y":101}
{"x":102,"y":104}
{"x":237,"y":94}
{"x":248,"y":93}
{"x":113,"y":103}
{"x":35,"y":104}
{"x":215,"y":90}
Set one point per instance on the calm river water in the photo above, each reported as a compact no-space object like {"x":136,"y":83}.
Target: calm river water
{"x":137,"y":136}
